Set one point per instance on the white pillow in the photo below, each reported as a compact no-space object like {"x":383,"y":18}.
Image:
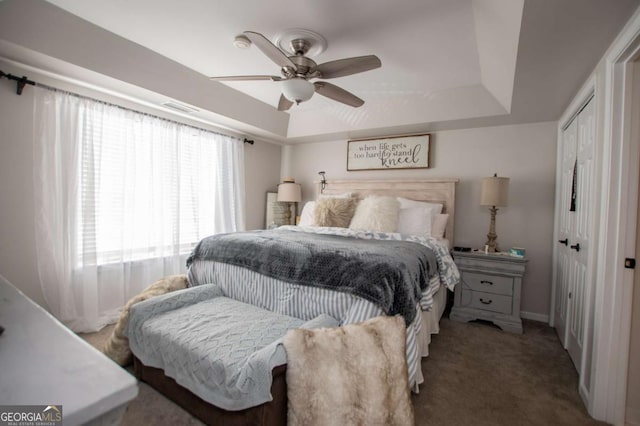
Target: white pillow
{"x":436,"y":208}
{"x":306,"y":217}
{"x":376,"y":214}
{"x":415,"y":221}
{"x":439,"y":226}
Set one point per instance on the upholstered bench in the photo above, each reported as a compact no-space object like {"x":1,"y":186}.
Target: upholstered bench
{"x":220,"y":359}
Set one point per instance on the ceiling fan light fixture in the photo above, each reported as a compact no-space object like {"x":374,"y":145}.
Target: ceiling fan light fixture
{"x":297,"y":90}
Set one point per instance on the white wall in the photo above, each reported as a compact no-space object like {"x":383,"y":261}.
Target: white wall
{"x":525,"y":153}
{"x":262,"y":174}
{"x":17,"y":237}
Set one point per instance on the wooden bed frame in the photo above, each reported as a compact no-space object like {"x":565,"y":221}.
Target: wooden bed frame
{"x":275,"y":412}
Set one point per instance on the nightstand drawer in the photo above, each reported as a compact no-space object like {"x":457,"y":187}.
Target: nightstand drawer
{"x":487,"y":301}
{"x":488,"y":283}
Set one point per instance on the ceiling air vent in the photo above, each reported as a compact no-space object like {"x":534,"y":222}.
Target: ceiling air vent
{"x":180,"y":107}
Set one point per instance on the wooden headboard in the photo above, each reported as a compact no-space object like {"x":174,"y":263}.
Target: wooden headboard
{"x":441,"y":191}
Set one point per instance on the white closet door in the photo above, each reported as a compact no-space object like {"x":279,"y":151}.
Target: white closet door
{"x":580,"y":242}
{"x":563,"y":271}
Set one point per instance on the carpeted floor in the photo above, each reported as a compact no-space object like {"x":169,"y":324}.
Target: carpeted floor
{"x":475,"y":375}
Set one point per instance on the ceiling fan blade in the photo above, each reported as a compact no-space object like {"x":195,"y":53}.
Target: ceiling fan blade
{"x":246,"y":78}
{"x":284,"y":104}
{"x":337,"y":94}
{"x":348,"y":66}
{"x":270,"y":50}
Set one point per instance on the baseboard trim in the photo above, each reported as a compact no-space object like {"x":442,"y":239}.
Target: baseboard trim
{"x":584,"y":395}
{"x":535,"y":317}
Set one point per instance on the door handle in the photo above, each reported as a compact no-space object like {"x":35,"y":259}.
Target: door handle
{"x":576,"y":247}
{"x":485,"y":302}
{"x":565,"y":241}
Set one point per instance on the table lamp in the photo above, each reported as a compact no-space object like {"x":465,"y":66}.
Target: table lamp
{"x":494,"y":194}
{"x":289,"y":192}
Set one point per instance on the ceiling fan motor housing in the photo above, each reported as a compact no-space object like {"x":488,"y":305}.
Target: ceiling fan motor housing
{"x":303,"y":66}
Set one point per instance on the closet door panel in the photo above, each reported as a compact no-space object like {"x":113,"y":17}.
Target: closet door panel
{"x":566,"y":225}
{"x":576,"y":313}
{"x":562,"y":295}
{"x":582,"y":232}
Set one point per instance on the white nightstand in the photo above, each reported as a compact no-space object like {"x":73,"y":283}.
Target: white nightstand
{"x":489,"y":289}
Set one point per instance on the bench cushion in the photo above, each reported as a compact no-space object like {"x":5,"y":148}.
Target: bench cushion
{"x":222,"y":350}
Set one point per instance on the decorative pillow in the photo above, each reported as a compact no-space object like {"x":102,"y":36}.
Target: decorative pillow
{"x":436,"y":208}
{"x":376,"y":214}
{"x":306,"y":217}
{"x":415,"y":221}
{"x":334,"y":212}
{"x":439,"y":225}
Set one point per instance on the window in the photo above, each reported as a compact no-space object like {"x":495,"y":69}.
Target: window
{"x":121,"y":199}
{"x":147,"y":186}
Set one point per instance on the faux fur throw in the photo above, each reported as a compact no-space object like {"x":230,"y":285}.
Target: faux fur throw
{"x":117,"y":347}
{"x":352,"y":375}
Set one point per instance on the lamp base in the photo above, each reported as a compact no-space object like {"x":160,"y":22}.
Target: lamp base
{"x":287,"y":215}
{"x":491,"y":244}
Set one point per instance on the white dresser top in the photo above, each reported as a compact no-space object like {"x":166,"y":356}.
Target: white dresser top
{"x":45,"y":363}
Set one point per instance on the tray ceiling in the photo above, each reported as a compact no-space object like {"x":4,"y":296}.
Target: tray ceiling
{"x":445,"y":64}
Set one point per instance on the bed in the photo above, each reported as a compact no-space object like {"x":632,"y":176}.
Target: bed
{"x":254,"y":286}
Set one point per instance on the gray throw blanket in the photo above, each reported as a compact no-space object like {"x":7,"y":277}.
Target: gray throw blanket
{"x":391,"y":274}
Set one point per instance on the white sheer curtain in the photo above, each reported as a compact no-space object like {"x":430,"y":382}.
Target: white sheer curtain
{"x":121,"y":199}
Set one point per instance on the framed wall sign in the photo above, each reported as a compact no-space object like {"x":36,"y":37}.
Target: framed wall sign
{"x":393,"y":152}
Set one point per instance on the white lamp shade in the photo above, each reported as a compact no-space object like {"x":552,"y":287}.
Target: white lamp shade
{"x":297,"y":89}
{"x":495,"y":191}
{"x":289,"y":192}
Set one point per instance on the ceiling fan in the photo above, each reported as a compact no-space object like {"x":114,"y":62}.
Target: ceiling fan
{"x":298,"y":69}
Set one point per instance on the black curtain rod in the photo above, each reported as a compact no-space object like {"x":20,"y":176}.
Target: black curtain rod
{"x":20,"y":81}
{"x":23,"y":81}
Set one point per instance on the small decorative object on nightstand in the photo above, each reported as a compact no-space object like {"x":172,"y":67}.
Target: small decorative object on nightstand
{"x":489,"y":289}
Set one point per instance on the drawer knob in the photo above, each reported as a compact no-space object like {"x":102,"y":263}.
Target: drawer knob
{"x":486,"y":282}
{"x":486,"y":302}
